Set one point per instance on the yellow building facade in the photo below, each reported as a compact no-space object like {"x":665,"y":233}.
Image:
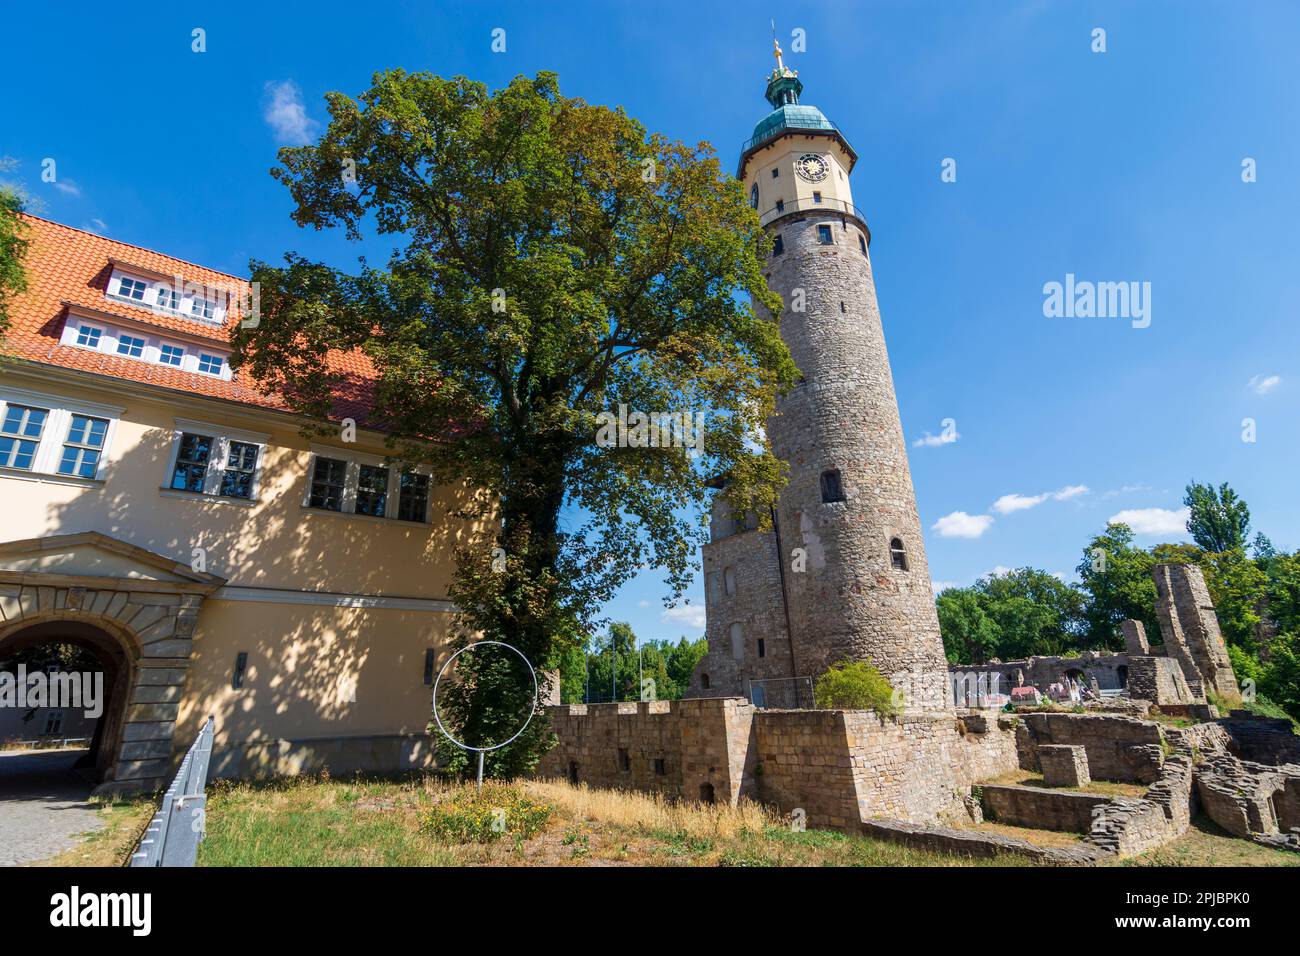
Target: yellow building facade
{"x":158,"y":509}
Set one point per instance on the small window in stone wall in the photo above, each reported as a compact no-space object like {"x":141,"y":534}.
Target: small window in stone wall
{"x":778,"y":246}
{"x":624,"y":760}
{"x":832,"y":486}
{"x":862,"y":244}
{"x":842,"y":308}
{"x":704,"y":681}
{"x":897,"y":554}
{"x":729,"y":580}
{"x":762,"y":647}
{"x":824,"y":235}
{"x":573,"y":771}
{"x":661,"y":767}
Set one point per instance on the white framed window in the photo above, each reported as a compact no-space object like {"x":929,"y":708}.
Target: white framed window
{"x":46,"y":435}
{"x":175,"y":296}
{"x":355,"y":483}
{"x":145,"y":346}
{"x":88,"y":336}
{"x":167,"y":299}
{"x":130,"y":345}
{"x":83,"y":446}
{"x":202,"y":307}
{"x":215,"y":460}
{"x":132,"y":289}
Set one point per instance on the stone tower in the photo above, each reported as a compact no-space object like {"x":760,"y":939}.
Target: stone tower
{"x":843,"y":575}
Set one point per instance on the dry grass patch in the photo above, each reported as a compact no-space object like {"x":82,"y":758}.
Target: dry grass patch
{"x":124,"y":819}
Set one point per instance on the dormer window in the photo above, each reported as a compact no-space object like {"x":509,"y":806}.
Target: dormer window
{"x":172,"y":355}
{"x":88,"y":336}
{"x":202,"y":308}
{"x":132,"y":289}
{"x":167,"y":299}
{"x":211,"y":364}
{"x":130,"y":345}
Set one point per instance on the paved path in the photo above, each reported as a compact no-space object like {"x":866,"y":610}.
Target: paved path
{"x":43,"y":805}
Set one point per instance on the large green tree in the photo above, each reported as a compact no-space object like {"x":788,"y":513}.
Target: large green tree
{"x":1009,"y":616}
{"x":553,"y":261}
{"x":1219,"y":520}
{"x":1115,"y":576}
{"x":13,"y":250}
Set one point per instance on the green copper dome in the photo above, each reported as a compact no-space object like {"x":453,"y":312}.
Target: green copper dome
{"x":790,"y":117}
{"x":788,"y":114}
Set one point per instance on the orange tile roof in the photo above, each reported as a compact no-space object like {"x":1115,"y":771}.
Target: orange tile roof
{"x":69,"y":267}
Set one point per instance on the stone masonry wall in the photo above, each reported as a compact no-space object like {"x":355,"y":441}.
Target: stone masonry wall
{"x":1122,"y":749}
{"x":1191,"y":629}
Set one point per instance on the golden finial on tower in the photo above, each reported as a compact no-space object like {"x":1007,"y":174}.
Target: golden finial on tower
{"x":776,"y":52}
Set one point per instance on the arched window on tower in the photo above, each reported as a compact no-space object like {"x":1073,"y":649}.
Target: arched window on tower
{"x":832,"y":486}
{"x":897,"y":554}
{"x":753,"y":196}
{"x":704,"y":681}
{"x":862,"y":243}
{"x":729,"y":580}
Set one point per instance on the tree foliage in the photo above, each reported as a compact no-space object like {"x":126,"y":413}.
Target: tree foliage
{"x":854,"y":685}
{"x":554,"y":261}
{"x":13,"y":251}
{"x":1219,"y":520}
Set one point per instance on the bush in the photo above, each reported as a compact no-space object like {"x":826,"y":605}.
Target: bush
{"x":470,"y":817}
{"x":854,"y":686}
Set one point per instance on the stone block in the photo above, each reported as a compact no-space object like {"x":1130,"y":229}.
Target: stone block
{"x":1064,"y":765}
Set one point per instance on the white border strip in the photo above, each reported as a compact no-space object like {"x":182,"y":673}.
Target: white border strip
{"x":332,"y":599}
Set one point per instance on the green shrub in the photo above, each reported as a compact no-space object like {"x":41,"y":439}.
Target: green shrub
{"x":482,"y":818}
{"x":854,"y":686}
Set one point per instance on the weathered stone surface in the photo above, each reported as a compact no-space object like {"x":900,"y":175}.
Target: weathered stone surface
{"x":1135,"y":638}
{"x":1191,"y":629}
{"x":1159,"y":680}
{"x":1040,"y":809}
{"x":1123,"y":749}
{"x":1064,"y":765}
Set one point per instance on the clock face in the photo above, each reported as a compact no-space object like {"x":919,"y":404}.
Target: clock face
{"x":812,"y":168}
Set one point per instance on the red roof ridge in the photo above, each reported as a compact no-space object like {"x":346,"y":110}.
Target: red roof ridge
{"x":132,"y":245}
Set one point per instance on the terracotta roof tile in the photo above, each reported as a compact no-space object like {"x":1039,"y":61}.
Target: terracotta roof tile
{"x":67,"y":266}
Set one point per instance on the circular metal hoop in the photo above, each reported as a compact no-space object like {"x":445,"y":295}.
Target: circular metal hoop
{"x":532,"y":673}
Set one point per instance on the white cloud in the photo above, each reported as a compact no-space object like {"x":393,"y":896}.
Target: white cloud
{"x":286,"y":114}
{"x":1125,"y":490}
{"x":945,"y":437}
{"x":937,"y":586}
{"x":97,"y":226}
{"x":999,"y":571}
{"x":691,"y":615}
{"x":1153,"y":520}
{"x":642,"y":603}
{"x":1260,"y":384}
{"x":961,"y":525}
{"x":1009,"y":503}
{"x":67,"y":187}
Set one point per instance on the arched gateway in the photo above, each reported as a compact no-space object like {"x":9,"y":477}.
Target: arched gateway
{"x":135,"y":610}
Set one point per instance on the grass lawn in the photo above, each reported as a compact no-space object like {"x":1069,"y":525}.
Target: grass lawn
{"x":424,"y":822}
{"x":1206,"y":844}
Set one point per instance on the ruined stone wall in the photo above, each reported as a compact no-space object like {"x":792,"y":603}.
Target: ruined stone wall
{"x":844,"y":766}
{"x":687,"y":749}
{"x":1159,"y":680}
{"x":838,"y":767}
{"x":1191,"y":629}
{"x":1122,"y":749}
{"x":1040,"y":809}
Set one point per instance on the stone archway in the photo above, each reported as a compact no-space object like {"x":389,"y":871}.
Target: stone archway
{"x":138,"y":610}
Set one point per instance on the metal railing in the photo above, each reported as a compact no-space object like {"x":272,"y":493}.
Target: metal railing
{"x":781,"y":693}
{"x":173,"y":835}
{"x":44,"y":743}
{"x":809,"y":204}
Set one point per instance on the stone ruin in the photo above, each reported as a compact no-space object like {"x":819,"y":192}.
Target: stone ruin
{"x":1177,"y":676}
{"x":931,"y":779}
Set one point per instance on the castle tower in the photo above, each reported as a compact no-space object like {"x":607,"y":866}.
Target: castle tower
{"x":843,"y":575}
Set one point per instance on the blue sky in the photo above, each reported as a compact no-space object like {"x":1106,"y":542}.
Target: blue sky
{"x":1117,"y":166}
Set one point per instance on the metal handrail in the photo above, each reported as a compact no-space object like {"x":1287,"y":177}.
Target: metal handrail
{"x":806,"y":204}
{"x":173,"y":835}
